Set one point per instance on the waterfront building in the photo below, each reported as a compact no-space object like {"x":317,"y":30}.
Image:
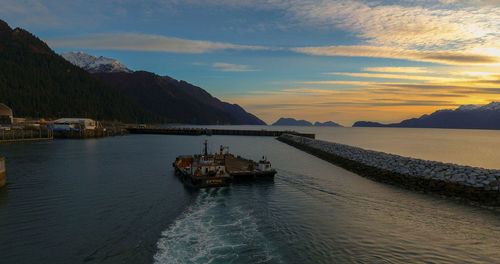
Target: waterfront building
{"x":78,"y":124}
{"x":6,"y":116}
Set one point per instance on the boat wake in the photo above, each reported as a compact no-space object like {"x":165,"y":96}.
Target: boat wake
{"x":213,"y":230}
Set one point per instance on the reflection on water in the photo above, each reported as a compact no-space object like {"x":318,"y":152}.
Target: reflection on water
{"x":117,"y":200}
{"x":3,"y":195}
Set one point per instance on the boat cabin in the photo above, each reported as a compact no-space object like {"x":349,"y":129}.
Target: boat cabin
{"x":264,"y":164}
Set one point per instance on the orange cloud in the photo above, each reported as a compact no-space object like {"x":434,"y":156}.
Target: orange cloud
{"x":376,"y":101}
{"x":397,"y":69}
{"x":444,"y":57}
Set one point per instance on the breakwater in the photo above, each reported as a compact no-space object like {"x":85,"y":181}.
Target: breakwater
{"x":465,"y":182}
{"x":212,"y":131}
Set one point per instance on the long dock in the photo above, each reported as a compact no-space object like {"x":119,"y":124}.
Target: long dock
{"x":216,"y":131}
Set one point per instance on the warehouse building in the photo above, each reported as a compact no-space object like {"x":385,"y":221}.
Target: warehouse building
{"x":5,"y":115}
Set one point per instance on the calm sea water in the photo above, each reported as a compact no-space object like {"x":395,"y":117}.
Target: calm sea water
{"x":472,"y":147}
{"x":116,"y":200}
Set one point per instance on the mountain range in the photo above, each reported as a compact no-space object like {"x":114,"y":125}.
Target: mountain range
{"x":175,"y":101}
{"x":464,"y":117}
{"x":37,"y":82}
{"x":327,"y":123}
{"x":293,"y":122}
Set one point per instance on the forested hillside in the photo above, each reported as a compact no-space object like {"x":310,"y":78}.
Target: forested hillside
{"x":36,"y":82}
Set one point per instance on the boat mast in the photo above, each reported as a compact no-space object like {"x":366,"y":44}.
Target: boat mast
{"x":205,"y":149}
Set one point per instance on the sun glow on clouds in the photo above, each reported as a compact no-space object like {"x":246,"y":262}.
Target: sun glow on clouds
{"x":438,"y":34}
{"x":444,"y":57}
{"x":397,"y":69}
{"x":349,"y":101}
{"x":445,"y":26}
{"x":395,"y":76}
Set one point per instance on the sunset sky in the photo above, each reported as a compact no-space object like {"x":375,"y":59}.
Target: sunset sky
{"x":318,"y":60}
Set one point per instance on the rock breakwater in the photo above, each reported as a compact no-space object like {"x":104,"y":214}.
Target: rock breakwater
{"x":471,"y":183}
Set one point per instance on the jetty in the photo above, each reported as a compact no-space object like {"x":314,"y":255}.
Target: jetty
{"x":217,"y":131}
{"x":478,"y":185}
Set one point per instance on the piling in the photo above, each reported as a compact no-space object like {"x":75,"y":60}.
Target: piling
{"x":3,"y":177}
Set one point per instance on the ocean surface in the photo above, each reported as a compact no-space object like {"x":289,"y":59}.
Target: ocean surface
{"x":116,"y":200}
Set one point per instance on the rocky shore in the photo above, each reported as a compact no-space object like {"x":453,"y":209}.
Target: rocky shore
{"x":470,"y":183}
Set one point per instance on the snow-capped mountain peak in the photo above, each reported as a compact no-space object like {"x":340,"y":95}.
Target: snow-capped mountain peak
{"x":493,"y":106}
{"x":94,"y":64}
{"x":467,"y":107}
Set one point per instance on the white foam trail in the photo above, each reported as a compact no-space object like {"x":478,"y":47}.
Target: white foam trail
{"x":211,"y":231}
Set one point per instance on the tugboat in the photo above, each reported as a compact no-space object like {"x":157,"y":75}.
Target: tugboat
{"x":220,"y":169}
{"x":202,"y":171}
{"x":264,"y":169}
{"x":242,"y":169}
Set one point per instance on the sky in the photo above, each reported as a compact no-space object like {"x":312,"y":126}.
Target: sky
{"x":319,"y":60}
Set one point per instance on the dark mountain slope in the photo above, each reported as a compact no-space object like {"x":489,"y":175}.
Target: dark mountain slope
{"x":35,"y":81}
{"x":177,"y":102}
{"x":235,"y":111}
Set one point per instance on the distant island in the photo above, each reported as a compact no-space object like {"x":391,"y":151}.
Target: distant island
{"x":294,"y":122}
{"x":327,"y":123}
{"x":463,"y":117}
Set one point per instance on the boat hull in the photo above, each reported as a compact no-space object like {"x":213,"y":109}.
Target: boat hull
{"x":252,"y":175}
{"x":3,"y":179}
{"x":201,"y":182}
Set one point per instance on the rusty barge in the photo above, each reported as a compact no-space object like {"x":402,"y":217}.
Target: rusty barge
{"x":219,"y":169}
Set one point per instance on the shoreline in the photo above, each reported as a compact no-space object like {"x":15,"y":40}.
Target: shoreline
{"x":466,"y":183}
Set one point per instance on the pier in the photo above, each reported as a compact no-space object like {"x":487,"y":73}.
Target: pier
{"x":216,"y":131}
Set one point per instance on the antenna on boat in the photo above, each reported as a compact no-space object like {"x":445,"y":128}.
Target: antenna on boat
{"x":205,"y":147}
{"x":222,"y":148}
